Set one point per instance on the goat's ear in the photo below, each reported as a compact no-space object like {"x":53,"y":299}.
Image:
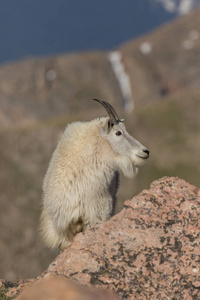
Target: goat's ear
{"x":106,"y":127}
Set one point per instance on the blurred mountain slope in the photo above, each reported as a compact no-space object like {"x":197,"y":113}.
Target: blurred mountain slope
{"x":173,"y":63}
{"x":41,"y":88}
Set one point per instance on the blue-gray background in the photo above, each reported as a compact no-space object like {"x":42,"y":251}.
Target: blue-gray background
{"x":43,"y":27}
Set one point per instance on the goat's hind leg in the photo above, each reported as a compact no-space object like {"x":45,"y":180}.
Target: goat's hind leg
{"x":73,"y":228}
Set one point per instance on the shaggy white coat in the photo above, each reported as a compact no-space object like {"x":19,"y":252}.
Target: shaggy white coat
{"x":81,"y":182}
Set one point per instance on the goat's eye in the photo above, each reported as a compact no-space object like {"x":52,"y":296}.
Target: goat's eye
{"x":118,"y":133}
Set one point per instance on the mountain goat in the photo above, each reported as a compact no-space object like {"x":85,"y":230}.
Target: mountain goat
{"x":81,"y":183}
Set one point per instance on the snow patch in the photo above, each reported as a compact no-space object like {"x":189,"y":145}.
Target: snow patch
{"x":115,"y":58}
{"x":193,"y":35}
{"x":50,"y":75}
{"x":189,"y":43}
{"x":181,"y":7}
{"x":145,"y":48}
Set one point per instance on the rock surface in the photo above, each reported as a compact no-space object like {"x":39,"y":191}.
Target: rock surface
{"x":150,"y":250}
{"x":8,"y":289}
{"x":62,"y":289}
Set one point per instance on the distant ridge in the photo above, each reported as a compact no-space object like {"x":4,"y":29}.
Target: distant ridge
{"x":39,"y":88}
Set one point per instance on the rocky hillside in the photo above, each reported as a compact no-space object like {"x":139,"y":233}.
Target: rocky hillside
{"x":40,"y":96}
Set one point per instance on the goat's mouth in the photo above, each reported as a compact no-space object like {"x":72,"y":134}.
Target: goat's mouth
{"x":143,"y":157}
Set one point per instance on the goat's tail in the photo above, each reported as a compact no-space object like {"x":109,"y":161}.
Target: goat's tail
{"x":48,"y":232}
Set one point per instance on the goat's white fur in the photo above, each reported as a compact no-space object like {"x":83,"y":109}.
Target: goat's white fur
{"x":81,"y":182}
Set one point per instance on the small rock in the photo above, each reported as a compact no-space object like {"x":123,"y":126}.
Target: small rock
{"x":62,"y":289}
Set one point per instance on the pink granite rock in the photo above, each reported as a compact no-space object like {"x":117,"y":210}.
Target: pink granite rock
{"x":150,"y":250}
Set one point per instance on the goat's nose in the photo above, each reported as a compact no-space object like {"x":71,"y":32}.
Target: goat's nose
{"x":147,"y":152}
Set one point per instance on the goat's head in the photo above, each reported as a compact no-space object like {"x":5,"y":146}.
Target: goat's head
{"x":120,"y":140}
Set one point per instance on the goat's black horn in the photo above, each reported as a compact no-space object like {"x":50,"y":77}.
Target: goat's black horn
{"x":114,"y":119}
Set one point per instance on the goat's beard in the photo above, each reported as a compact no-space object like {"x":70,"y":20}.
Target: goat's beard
{"x":125,"y":165}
